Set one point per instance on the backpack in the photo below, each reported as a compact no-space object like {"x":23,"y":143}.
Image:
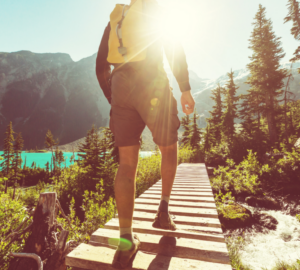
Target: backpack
{"x":132,"y":31}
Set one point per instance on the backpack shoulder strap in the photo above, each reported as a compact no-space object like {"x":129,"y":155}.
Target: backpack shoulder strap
{"x":122,"y":50}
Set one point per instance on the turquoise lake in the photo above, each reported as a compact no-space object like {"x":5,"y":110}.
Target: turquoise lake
{"x":42,"y":158}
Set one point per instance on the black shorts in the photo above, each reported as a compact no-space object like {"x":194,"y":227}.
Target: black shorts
{"x":139,"y":100}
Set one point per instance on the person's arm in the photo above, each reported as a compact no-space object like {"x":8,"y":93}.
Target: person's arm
{"x":177,"y":60}
{"x":103,"y":71}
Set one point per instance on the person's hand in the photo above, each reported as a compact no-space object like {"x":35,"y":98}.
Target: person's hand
{"x":187,"y":102}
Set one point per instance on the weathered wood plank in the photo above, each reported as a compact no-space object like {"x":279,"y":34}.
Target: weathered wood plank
{"x":184,"y":220}
{"x":180,"y":211}
{"x":176,"y":203}
{"x":181,"y":189}
{"x":186,"y":186}
{"x":204,"y":208}
{"x":190,"y":182}
{"x":170,"y":246}
{"x":182,"y":231}
{"x":182,"y":193}
{"x":180,"y":198}
{"x":100,"y":258}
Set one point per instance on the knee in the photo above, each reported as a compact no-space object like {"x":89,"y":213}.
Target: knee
{"x":169,"y":150}
{"x":129,"y":157}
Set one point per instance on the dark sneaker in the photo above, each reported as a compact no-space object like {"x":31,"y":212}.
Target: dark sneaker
{"x":124,"y":258}
{"x":164,"y":221}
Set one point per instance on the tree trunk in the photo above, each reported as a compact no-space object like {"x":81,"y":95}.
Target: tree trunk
{"x":271,"y":119}
{"x":42,"y":240}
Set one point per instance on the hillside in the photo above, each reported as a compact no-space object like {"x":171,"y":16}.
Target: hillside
{"x":50,"y":91}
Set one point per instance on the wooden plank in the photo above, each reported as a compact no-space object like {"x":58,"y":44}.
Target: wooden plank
{"x":186,"y":186}
{"x":182,"y":231}
{"x":179,"y":198}
{"x":182,"y":193}
{"x":100,"y":258}
{"x":182,"y":182}
{"x":170,"y":246}
{"x":180,"y":211}
{"x":181,"y":189}
{"x":176,"y":203}
{"x":184,"y":220}
{"x":207,"y":187}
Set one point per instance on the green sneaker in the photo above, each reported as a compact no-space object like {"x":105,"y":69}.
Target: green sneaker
{"x":124,"y":258}
{"x":163,"y":220}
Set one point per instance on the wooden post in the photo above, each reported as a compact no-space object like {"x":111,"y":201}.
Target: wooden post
{"x":42,"y":240}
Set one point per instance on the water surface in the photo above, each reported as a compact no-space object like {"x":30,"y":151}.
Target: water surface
{"x":41,"y":159}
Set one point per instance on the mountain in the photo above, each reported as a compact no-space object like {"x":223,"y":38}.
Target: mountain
{"x":202,"y":95}
{"x":50,"y":91}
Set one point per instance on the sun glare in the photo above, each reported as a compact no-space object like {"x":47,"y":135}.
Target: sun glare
{"x":177,"y":21}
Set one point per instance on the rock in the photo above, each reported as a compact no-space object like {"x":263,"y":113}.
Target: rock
{"x":234,"y":216}
{"x":265,"y":220}
{"x":265,"y":202}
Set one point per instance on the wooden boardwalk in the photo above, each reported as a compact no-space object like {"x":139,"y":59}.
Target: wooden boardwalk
{"x":198,"y":242}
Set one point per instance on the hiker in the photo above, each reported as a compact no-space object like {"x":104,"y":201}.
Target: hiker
{"x":139,"y":93}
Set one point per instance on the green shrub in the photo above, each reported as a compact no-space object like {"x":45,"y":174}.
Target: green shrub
{"x":148,"y":173}
{"x":241,"y":178}
{"x":96,"y":213}
{"x":286,"y":169}
{"x":12,"y":214}
{"x":188,"y":155}
{"x":75,"y":180}
{"x":217,"y":154}
{"x":231,"y":214}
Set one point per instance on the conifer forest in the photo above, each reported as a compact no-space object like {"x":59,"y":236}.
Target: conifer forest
{"x":250,"y":145}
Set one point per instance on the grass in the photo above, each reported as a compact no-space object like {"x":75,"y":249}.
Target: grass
{"x":234,"y":246}
{"x":285,"y":266}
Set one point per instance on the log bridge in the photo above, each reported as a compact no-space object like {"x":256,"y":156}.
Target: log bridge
{"x":198,"y":242}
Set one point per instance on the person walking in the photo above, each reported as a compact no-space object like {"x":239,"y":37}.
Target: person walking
{"x":140,"y":95}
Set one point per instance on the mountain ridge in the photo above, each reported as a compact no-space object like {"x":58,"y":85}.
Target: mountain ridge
{"x":41,"y":91}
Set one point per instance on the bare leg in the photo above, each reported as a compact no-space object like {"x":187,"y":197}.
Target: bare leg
{"x":168,"y":167}
{"x":125,"y":184}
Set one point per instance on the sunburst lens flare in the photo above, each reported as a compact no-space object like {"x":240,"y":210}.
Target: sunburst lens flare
{"x":123,"y":243}
{"x":176,"y":21}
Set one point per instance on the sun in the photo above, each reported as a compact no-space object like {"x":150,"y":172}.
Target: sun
{"x":177,"y":21}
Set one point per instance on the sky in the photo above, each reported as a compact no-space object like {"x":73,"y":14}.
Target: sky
{"x":214,"y":33}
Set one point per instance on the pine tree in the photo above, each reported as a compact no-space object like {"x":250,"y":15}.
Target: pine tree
{"x":59,"y":157}
{"x":250,"y":112}
{"x":47,"y":166}
{"x":207,"y":138}
{"x":294,"y":16}
{"x":186,"y":124}
{"x":108,"y":143}
{"x":230,"y":113}
{"x":50,"y":142}
{"x":266,"y":78}
{"x":17,"y":160}
{"x":8,"y":153}
{"x":216,"y":119}
{"x":92,"y":153}
{"x":286,"y":99}
{"x":195,"y":136}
